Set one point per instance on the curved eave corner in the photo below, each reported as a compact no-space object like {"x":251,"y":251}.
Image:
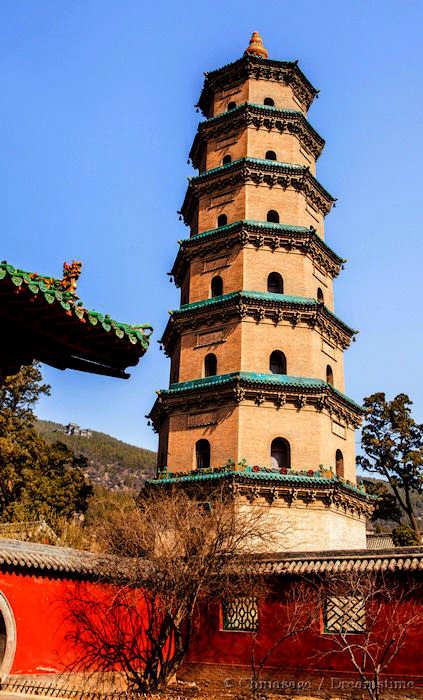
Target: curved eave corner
{"x":109,"y":346}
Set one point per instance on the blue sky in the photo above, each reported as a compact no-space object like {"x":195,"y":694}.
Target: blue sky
{"x":97,"y":118}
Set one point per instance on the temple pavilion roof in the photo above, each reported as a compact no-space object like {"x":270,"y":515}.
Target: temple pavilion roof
{"x":42,"y":318}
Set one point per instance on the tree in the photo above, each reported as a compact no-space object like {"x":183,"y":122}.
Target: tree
{"x":375,"y":614}
{"x":386,"y":507}
{"x":404,"y":536}
{"x":37,"y":480}
{"x":393,"y":445}
{"x":169,"y":555}
{"x":18,"y":395}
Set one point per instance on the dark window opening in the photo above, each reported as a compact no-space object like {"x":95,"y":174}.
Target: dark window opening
{"x":277,"y":362}
{"x":270,"y":155}
{"x":231,"y":106}
{"x":174,"y":365}
{"x":222,"y":220}
{"x":210,"y":365}
{"x":226,"y":160}
{"x":269,"y":102}
{"x":272,"y":216}
{"x":185,"y":290}
{"x":329,"y":374}
{"x":194,"y":222}
{"x":339,"y":459}
{"x":202,"y":454}
{"x":275,"y":283}
{"x":216,"y":286}
{"x":320,"y":296}
{"x":281,"y":453}
{"x":240,"y":614}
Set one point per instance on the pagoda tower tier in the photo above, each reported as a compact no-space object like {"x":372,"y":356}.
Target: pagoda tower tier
{"x":287,"y":129}
{"x":242,"y":413}
{"x":249,"y":188}
{"x":256,"y":349}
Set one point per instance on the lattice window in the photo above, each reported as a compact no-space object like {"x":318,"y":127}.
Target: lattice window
{"x":240,"y":614}
{"x":345,"y":614}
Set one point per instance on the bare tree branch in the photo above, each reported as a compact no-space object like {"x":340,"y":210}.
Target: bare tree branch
{"x":162,"y":559}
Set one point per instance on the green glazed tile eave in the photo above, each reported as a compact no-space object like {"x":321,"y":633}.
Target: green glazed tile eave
{"x":277,"y":380}
{"x":50,"y":289}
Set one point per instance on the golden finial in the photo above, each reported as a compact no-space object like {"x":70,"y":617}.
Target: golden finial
{"x":256,"y":47}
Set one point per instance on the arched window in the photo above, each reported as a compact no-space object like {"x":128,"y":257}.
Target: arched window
{"x":222,"y":220}
{"x":270,"y":155}
{"x":329,"y":374}
{"x":339,"y":460}
{"x":231,"y":106}
{"x":202,"y":454}
{"x":275,"y":283}
{"x":320,"y":296}
{"x":227,"y":159}
{"x":277,"y":362}
{"x":280,"y":452}
{"x":216,"y":286}
{"x":272,"y":216}
{"x":210,"y":365}
{"x":269,"y":102}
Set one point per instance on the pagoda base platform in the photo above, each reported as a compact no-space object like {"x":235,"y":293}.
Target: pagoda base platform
{"x":301,"y":512}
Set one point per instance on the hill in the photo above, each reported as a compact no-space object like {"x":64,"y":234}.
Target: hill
{"x":388,"y":525}
{"x":111,"y":463}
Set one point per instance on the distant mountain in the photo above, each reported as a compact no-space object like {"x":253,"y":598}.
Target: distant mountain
{"x":111,"y":463}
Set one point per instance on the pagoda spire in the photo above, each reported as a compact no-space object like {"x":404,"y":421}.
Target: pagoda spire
{"x":255,"y":47}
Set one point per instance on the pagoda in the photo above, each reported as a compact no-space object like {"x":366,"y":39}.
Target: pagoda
{"x":256,"y":395}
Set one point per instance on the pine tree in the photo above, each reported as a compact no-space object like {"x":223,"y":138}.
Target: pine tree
{"x":37,"y":480}
{"x":392,"y":442}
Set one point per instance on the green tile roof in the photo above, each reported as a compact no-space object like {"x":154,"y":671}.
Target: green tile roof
{"x":249,"y":295}
{"x":249,"y":377}
{"x":277,"y":380}
{"x":273,"y":165}
{"x":265,"y":296}
{"x":266,"y":226}
{"x":226,"y":120}
{"x":230,"y":74}
{"x":252,"y":104}
{"x":261,"y":224}
{"x":262,"y":475}
{"x":51,"y":290}
{"x":296,"y":167}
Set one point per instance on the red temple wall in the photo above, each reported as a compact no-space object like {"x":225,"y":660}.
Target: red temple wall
{"x":308,"y":652}
{"x":40,"y":609}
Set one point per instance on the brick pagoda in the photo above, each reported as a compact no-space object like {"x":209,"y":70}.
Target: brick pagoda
{"x":256,"y":391}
